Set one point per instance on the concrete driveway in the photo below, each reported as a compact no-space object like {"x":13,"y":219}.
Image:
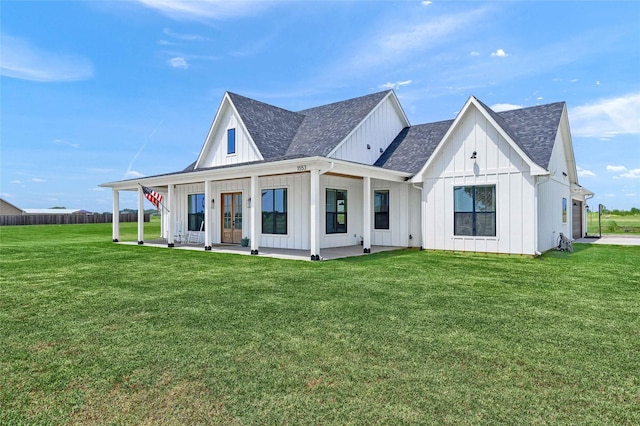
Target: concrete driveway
{"x":613,"y":239}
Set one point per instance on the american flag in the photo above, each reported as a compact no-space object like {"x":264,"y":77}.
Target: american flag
{"x":152,"y":196}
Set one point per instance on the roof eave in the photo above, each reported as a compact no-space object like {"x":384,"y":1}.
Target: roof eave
{"x":295,"y":165}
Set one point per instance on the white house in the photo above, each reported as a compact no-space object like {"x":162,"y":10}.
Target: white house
{"x":356,"y":172}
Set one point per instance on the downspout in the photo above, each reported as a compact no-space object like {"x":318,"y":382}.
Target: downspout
{"x":422,"y":224}
{"x":535,"y":208}
{"x":328,"y":170}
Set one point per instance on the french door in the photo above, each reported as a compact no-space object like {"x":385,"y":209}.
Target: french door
{"x":231,"y":217}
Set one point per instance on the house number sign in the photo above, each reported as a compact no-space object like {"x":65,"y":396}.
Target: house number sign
{"x":302,"y":168}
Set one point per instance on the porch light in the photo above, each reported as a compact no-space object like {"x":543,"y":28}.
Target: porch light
{"x":474,"y":155}
{"x":249,"y":202}
{"x":213,"y":203}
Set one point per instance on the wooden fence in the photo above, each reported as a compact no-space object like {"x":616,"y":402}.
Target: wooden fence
{"x":67,"y":219}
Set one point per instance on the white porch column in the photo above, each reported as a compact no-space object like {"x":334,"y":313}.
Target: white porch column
{"x":366,"y":220}
{"x":315,"y":214}
{"x":256,"y":207}
{"x":140,"y":216}
{"x":115,"y":220}
{"x":170,"y":216}
{"x":207,"y":215}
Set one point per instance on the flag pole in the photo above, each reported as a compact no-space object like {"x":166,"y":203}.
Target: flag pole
{"x":159,"y":202}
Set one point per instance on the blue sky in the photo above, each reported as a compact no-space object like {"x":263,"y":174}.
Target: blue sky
{"x":93,"y":92}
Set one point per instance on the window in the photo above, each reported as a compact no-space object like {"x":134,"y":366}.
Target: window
{"x":274,"y":211}
{"x":564,"y":210}
{"x":196,"y":212}
{"x":231,"y":141}
{"x":474,"y":210}
{"x":381,"y":209}
{"x":336,"y":211}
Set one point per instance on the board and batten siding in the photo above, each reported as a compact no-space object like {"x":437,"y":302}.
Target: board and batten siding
{"x":298,"y":211}
{"x":400,"y":215}
{"x":216,"y":145}
{"x":180,"y":209}
{"x":377,"y":131}
{"x":551,"y":190}
{"x":496,"y":163}
{"x":354,"y":211}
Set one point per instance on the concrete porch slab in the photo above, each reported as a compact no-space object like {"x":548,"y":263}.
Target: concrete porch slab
{"x":326,"y":254}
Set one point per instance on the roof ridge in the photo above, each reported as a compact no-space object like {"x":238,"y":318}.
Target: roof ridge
{"x":345,"y":100}
{"x":506,"y":127}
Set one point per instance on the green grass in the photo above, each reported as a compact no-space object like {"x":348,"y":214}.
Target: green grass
{"x":93,"y":332}
{"x":613,"y":224}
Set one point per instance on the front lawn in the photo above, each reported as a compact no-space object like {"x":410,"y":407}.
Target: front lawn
{"x":93,"y":332}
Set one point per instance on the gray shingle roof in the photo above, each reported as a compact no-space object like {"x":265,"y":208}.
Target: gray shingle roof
{"x":535,"y":129}
{"x":271,"y":128}
{"x":279,"y":133}
{"x":413,"y":146}
{"x":324,"y":127}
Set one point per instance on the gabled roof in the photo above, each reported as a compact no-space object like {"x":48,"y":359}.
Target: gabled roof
{"x":532,"y":131}
{"x":271,"y":128}
{"x":413,"y":146}
{"x":535,"y":129}
{"x":324,"y":127}
{"x":280,"y":134}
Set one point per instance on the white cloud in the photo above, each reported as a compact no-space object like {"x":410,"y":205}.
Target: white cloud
{"x":133,"y":174}
{"x":206,"y":9}
{"x":475,"y":53}
{"x":97,"y":188}
{"x":631,"y":174}
{"x":38,"y":180}
{"x":500,"y":53}
{"x":584,"y":173}
{"x":616,"y":168}
{"x":178,"y":62}
{"x":426,"y":2}
{"x":23,"y":61}
{"x":504,"y":107}
{"x":395,"y":85}
{"x":394,"y":42}
{"x":16,"y":181}
{"x":66,"y":143}
{"x":185,"y":37}
{"x":607,"y":117}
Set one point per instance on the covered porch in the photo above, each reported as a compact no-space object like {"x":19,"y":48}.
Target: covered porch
{"x":306,"y":182}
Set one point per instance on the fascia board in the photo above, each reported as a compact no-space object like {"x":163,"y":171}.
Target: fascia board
{"x":568,"y":145}
{"x":225,"y":99}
